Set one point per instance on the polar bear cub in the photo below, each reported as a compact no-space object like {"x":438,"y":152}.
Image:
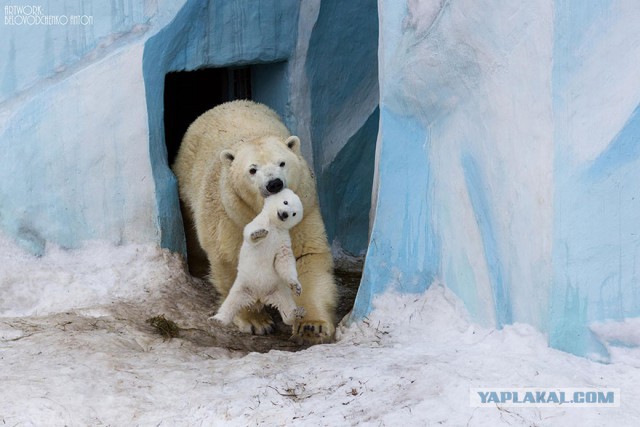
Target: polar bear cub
{"x":266,"y":267}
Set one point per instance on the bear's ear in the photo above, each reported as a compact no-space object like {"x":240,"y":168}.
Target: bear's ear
{"x":293,"y":143}
{"x":226,"y":157}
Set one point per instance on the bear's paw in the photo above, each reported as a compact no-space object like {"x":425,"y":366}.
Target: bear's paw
{"x":255,"y":323}
{"x":309,"y":331}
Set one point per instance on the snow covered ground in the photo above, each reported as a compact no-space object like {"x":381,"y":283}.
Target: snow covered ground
{"x":75,"y":350}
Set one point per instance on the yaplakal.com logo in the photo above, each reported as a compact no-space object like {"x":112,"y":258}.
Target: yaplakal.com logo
{"x":544,"y":397}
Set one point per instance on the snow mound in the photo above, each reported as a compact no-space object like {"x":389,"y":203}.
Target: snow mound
{"x":62,"y":280}
{"x":92,"y":360}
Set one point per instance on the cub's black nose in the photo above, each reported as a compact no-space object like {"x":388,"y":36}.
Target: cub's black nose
{"x":275,"y":186}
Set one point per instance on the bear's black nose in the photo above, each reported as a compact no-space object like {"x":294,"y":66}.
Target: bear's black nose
{"x":283,"y":215}
{"x":275,"y":186}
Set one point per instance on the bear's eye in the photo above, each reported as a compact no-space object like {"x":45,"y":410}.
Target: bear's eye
{"x":253,"y":171}
{"x":281,"y":164}
{"x":285,"y":202}
{"x":294,"y":214}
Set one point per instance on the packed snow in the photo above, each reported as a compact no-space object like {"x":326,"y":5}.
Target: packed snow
{"x":75,"y":350}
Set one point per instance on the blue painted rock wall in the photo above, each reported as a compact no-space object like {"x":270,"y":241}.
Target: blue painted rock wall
{"x":341,"y":68}
{"x":81,"y":108}
{"x":338,"y":66}
{"x":596,"y":104}
{"x":73,"y":134}
{"x":208,"y":34}
{"x":509,"y":162}
{"x":508,"y":158}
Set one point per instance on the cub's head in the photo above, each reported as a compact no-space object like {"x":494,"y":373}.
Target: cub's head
{"x":285,"y":209}
{"x":263,"y":167}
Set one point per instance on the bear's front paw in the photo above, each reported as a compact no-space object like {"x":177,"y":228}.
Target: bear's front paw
{"x":309,"y":331}
{"x":259,"y":234}
{"x":296,"y":287}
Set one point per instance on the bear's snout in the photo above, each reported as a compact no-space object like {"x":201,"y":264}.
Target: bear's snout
{"x":283,"y":215}
{"x":275,"y":186}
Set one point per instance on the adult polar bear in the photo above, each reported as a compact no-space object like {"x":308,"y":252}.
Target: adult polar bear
{"x":231,"y":158}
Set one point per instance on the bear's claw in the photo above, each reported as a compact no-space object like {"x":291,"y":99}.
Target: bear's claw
{"x":259,"y":323}
{"x":313,"y":332}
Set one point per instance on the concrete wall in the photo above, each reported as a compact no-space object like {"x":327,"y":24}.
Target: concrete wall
{"x":81,"y":108}
{"x":508,"y":162}
{"x":73,"y":124}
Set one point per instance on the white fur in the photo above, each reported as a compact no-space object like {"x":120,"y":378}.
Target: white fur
{"x":222,"y":196}
{"x":267,"y":268}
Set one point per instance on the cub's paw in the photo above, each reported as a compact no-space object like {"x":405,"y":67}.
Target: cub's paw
{"x":259,"y":234}
{"x":290,"y":318}
{"x":299,"y":312}
{"x":256,"y":323}
{"x":309,"y":331}
{"x":296,"y":287}
{"x":219,"y":318}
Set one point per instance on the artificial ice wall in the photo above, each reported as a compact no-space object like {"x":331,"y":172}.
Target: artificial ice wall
{"x":508,"y":162}
{"x":83,"y":154}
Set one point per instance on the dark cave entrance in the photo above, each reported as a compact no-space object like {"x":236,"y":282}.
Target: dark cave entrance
{"x":187,"y":95}
{"x":236,"y":52}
